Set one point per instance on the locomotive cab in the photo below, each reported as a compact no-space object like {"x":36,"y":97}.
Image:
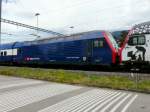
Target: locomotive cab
{"x":86,"y":48}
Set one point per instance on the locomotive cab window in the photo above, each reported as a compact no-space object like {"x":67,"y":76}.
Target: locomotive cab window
{"x":19,"y":51}
{"x":98,"y":43}
{"x":137,"y":40}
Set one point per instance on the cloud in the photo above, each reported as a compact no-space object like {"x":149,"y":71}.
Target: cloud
{"x":84,"y":15}
{"x":9,"y":1}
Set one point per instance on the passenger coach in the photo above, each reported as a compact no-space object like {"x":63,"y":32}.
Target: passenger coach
{"x":136,"y":48}
{"x":88,"y":48}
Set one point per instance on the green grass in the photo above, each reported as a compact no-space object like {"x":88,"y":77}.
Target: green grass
{"x":63,"y":76}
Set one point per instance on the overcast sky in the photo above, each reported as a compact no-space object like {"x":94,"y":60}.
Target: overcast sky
{"x":83,"y":15}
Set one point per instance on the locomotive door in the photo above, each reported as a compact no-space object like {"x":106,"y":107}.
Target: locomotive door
{"x":147,"y":47}
{"x":14,"y":52}
{"x":89,"y":50}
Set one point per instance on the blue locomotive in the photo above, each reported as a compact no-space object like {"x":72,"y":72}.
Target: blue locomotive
{"x":88,"y":48}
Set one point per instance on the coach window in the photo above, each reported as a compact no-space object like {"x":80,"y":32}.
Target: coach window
{"x":98,"y":43}
{"x":5,"y":53}
{"x":137,"y":40}
{"x":1,"y":53}
{"x":101,"y":43}
{"x":133,"y":41}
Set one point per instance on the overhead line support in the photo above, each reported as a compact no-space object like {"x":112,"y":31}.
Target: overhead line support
{"x":30,"y":27}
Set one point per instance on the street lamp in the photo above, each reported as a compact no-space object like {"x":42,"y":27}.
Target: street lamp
{"x":37,"y":14}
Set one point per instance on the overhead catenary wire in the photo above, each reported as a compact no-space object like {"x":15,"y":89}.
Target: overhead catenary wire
{"x":30,"y":27}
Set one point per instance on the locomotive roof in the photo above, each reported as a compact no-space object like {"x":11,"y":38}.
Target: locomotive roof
{"x":72,"y":35}
{"x":7,"y":46}
{"x":78,"y":36}
{"x":142,"y":28}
